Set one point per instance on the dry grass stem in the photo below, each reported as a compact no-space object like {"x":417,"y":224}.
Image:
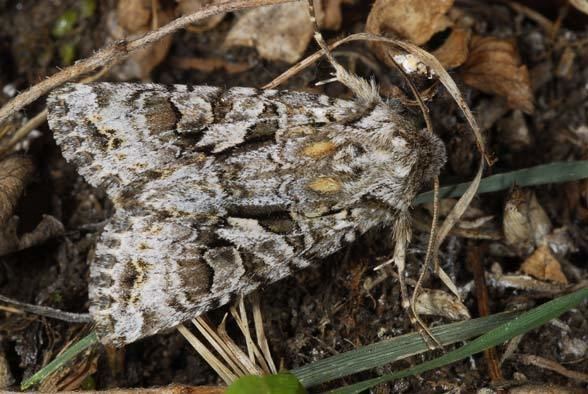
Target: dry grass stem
{"x":551,"y":365}
{"x":222,"y":371}
{"x":256,"y":354}
{"x":119,"y":50}
{"x":219,"y":345}
{"x":235,"y":351}
{"x":260,"y":333}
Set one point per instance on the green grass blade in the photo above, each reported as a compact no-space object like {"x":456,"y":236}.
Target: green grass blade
{"x":281,"y":383}
{"x":384,"y":352}
{"x":61,"y":360}
{"x":517,"y":326}
{"x":539,"y":175}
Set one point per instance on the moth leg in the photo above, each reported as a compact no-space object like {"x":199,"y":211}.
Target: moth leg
{"x":402,"y":235}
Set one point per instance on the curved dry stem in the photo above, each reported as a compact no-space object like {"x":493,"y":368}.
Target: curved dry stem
{"x":119,"y":50}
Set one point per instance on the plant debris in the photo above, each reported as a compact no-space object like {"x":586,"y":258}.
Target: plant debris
{"x":493,"y":66}
{"x":279,"y":32}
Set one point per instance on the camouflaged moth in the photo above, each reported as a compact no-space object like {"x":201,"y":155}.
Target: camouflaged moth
{"x":218,"y":191}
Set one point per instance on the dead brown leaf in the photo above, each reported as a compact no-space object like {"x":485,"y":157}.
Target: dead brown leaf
{"x":524,"y":282}
{"x":441,"y":303}
{"x":278,"y":32}
{"x":494,"y":67}
{"x":525,"y":222}
{"x":210,"y":64}
{"x":48,"y":228}
{"x":565,"y":65}
{"x":134,"y":18}
{"x":133,"y":15}
{"x":514,"y":132}
{"x":15,"y":173}
{"x":6,"y":378}
{"x":413,"y":20}
{"x":581,"y":5}
{"x":454,"y":51}
{"x":576,"y":194}
{"x":552,"y":365}
{"x":543,"y":265}
{"x":187,"y":7}
{"x":328,"y":13}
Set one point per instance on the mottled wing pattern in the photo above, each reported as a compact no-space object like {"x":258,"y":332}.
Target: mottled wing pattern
{"x":219,"y":191}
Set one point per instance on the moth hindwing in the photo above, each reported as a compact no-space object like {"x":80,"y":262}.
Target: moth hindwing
{"x":219,"y":191}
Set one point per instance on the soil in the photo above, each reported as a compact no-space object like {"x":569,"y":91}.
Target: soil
{"x":326,"y":309}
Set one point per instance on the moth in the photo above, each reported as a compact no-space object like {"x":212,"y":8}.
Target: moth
{"x":220,"y":191}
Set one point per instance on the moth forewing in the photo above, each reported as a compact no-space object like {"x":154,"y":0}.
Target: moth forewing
{"x":219,"y":191}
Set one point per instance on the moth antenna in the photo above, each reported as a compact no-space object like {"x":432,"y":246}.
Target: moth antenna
{"x":366,"y":92}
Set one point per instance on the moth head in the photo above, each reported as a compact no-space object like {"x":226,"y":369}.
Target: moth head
{"x":432,"y":155}
{"x":397,"y":165}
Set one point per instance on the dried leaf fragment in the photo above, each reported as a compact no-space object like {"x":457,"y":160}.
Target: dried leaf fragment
{"x":543,"y":265}
{"x":454,"y":51}
{"x":6,"y":378}
{"x":441,"y":303}
{"x":413,"y":20}
{"x":494,"y":67}
{"x":525,"y":222}
{"x":278,"y":32}
{"x":48,"y":228}
{"x":15,"y":173}
{"x":210,"y":64}
{"x":543,"y":388}
{"x":187,"y":7}
{"x":133,"y":15}
{"x":328,"y":13}
{"x":132,"y":19}
{"x":581,"y":5}
{"x":524,"y":282}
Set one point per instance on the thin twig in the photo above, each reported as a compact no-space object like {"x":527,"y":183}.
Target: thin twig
{"x":49,"y":312}
{"x":21,"y":133}
{"x":474,"y":259}
{"x":551,"y":365}
{"x":535,"y":16}
{"x":119,"y":50}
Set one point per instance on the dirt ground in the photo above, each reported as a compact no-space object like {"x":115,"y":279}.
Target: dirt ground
{"x":528,"y":118}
